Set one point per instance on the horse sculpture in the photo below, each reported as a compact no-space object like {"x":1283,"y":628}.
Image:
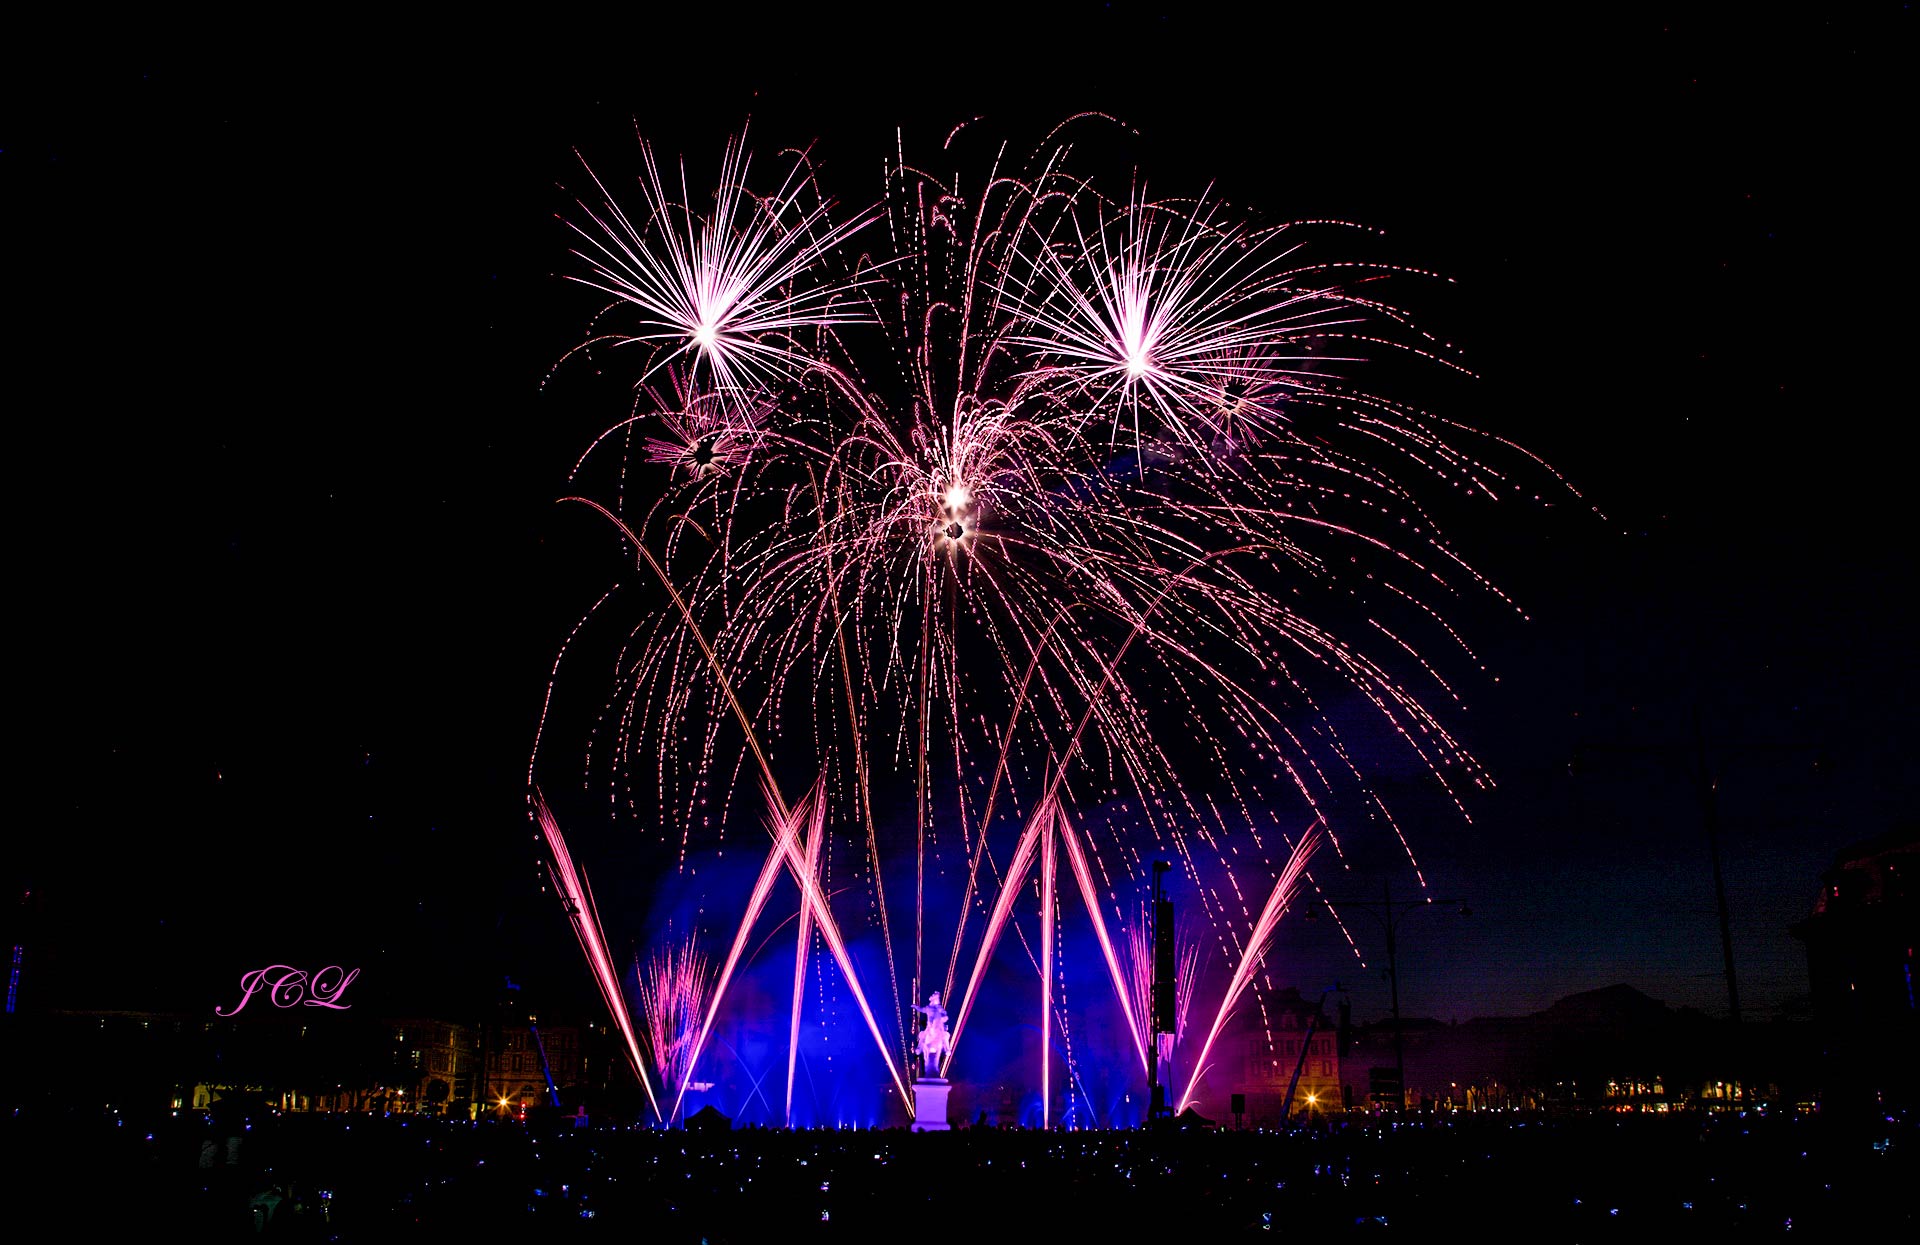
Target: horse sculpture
{"x":933,"y":1041}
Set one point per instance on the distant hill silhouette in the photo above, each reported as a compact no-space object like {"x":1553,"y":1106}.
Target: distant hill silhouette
{"x":1609,"y":1005}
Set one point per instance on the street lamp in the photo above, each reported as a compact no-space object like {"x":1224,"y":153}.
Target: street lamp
{"x":1383,"y":911}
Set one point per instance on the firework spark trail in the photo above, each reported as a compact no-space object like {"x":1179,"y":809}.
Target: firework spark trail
{"x":673,"y":993}
{"x":1066,"y":757}
{"x":1047,"y":871}
{"x":1017,"y":867}
{"x":1186,"y":978}
{"x":1090,"y":895}
{"x":1256,"y":948}
{"x":578,"y":901}
{"x":816,"y":901}
{"x":783,"y":827}
{"x":553,"y":675}
{"x":866,"y":813}
{"x":1139,"y":979}
{"x":993,"y":791}
{"x":816,"y":835}
{"x":783,"y":849}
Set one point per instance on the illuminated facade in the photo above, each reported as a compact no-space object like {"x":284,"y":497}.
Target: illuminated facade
{"x":438,"y":1063}
{"x":514,"y":1078}
{"x":1268,"y":1058}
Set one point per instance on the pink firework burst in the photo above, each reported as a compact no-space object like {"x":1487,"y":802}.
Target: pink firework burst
{"x":703,"y":432}
{"x":734,"y":291}
{"x":1164,"y":311}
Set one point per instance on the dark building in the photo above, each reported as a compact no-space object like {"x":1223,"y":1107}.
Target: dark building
{"x":1860,"y":943}
{"x":280,"y":1059}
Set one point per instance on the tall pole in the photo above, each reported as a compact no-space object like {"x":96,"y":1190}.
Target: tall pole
{"x":1393,"y":980}
{"x":1382,"y":911}
{"x":1153,"y":999}
{"x":1710,"y":814}
{"x":1160,"y":1000}
{"x":1708,"y":786}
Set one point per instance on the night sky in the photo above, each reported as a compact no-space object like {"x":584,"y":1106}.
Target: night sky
{"x":291,"y":575}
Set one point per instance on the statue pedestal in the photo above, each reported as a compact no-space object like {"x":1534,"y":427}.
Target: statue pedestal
{"x":930,"y":1104}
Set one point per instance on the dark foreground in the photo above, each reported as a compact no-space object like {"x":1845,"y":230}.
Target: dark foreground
{"x":367,"y":1178}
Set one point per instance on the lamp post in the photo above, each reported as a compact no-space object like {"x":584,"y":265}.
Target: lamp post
{"x":1383,"y":911}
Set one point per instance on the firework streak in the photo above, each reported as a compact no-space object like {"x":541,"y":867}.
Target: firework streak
{"x":1254,"y":952}
{"x":674,"y":988}
{"x":577,"y":898}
